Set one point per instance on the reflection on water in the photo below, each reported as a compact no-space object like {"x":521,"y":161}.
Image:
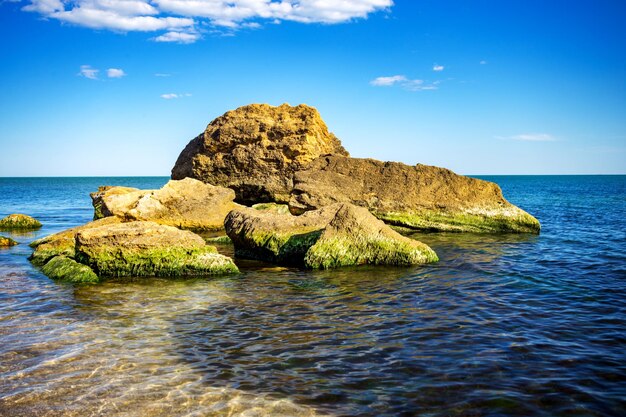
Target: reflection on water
{"x":502,"y":325}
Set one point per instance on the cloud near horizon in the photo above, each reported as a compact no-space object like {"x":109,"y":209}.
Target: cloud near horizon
{"x":180,"y":20}
{"x":404,"y":82}
{"x":115,"y":73}
{"x":530,"y":137}
{"x":171,"y":96}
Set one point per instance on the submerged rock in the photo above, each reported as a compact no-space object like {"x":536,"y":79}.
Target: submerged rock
{"x":255,"y":150}
{"x":419,"y":197}
{"x":145,"y":248}
{"x":333,"y":236}
{"x":19,"y":222}
{"x":187,"y":204}
{"x":5,"y":242}
{"x":67,"y":269}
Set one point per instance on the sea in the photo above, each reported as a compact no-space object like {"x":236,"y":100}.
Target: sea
{"x":502,"y":325}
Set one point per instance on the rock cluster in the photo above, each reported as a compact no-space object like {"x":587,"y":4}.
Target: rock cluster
{"x":312,"y":206}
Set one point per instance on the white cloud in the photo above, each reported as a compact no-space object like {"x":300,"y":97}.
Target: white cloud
{"x":530,"y":137}
{"x":88,"y":72}
{"x":162,"y":74}
{"x":483,"y":62}
{"x":388,"y":81}
{"x":438,"y":68}
{"x":181,"y":18}
{"x":170,"y":96}
{"x":115,"y":73}
{"x":178,"y":37}
{"x":404,"y":82}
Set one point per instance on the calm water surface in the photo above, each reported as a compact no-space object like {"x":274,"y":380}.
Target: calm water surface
{"x":501,"y":326}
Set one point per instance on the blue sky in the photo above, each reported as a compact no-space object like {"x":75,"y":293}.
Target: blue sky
{"x":112,"y":87}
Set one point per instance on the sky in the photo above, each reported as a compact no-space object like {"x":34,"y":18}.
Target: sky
{"x":119,"y":87}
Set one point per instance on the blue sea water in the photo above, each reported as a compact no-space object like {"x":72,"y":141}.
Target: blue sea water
{"x":503,"y":325}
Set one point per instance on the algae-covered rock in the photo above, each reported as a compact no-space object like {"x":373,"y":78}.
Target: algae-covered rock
{"x":6,"y":242}
{"x":337,"y":235}
{"x":63,"y":243}
{"x":272,"y":207}
{"x":19,"y":222}
{"x":420,"y":197}
{"x":67,"y":269}
{"x":255,"y":150}
{"x":145,"y":248}
{"x":187,"y":204}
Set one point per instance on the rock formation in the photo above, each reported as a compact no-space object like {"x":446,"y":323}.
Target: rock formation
{"x":19,"y":222}
{"x":187,"y":204}
{"x":333,"y":236}
{"x":419,"y":197}
{"x":255,"y":149}
{"x":5,"y":242}
{"x":107,"y":247}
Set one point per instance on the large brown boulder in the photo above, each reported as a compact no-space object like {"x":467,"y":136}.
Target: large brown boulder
{"x":255,"y":150}
{"x":420,"y":197}
{"x":186,"y":204}
{"x":333,"y":236}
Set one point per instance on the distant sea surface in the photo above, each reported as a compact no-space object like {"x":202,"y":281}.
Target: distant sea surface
{"x":503,"y":325}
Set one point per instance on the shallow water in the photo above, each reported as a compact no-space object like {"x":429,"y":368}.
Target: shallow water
{"x":502,"y":325}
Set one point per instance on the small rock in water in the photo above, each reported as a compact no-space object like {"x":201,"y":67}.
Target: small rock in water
{"x":19,"y":222}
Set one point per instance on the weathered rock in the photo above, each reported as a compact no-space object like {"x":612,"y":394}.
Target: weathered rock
{"x":419,"y":197}
{"x":255,"y":149}
{"x":333,"y":236}
{"x":145,"y":248}
{"x":63,"y":243}
{"x":272,"y":207}
{"x":186,"y":204}
{"x":5,"y":242}
{"x":67,"y":269}
{"x":19,"y":222}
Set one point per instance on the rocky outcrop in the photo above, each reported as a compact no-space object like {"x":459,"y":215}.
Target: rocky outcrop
{"x":186,"y":204}
{"x":19,"y":222}
{"x":107,"y":247}
{"x":333,"y":236}
{"x":255,"y":150}
{"x":419,"y":197}
{"x":6,"y":242}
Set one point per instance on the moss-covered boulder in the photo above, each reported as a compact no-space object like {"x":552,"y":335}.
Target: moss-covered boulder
{"x":63,"y":243}
{"x":333,"y":236}
{"x":148,"y":249}
{"x":419,"y":197}
{"x":67,"y":269}
{"x":19,"y":222}
{"x":6,"y":242}
{"x":186,"y":204}
{"x":255,"y":150}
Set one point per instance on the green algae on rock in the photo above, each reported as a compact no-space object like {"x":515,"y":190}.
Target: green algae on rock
{"x":19,"y":222}
{"x":67,"y":269}
{"x":64,"y":242}
{"x":5,"y":242}
{"x":420,"y":197}
{"x":148,"y":249}
{"x":334,"y":236}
